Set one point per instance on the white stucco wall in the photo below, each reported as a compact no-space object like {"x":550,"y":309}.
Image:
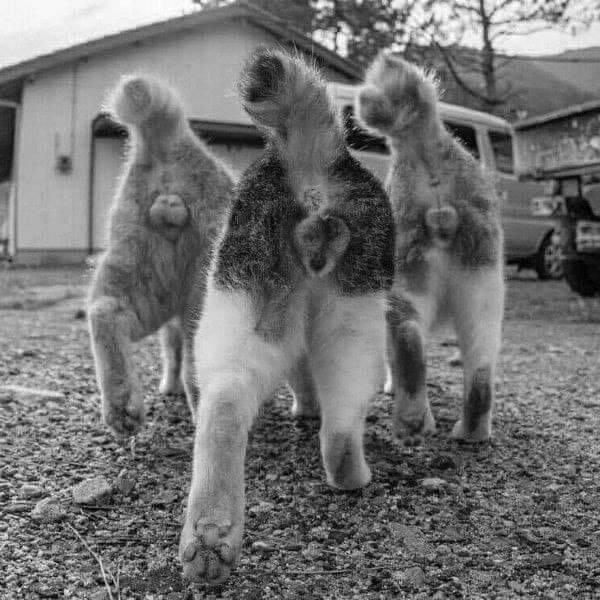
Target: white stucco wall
{"x":59,"y":105}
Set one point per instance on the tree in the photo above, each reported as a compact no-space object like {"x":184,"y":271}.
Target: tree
{"x":447,"y":23}
{"x":356,"y":29}
{"x":360,"y":28}
{"x":298,"y":13}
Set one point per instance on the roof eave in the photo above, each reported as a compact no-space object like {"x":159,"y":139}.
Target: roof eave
{"x":238,"y":10}
{"x":556,"y":115}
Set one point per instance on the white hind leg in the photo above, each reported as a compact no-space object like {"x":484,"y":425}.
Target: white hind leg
{"x":300,"y":381}
{"x":171,"y":344}
{"x":236,"y":369}
{"x":478,"y":303}
{"x":346,"y":348}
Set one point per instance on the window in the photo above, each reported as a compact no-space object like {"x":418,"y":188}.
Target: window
{"x":466,"y":135}
{"x":357,"y":138}
{"x":502,"y":146}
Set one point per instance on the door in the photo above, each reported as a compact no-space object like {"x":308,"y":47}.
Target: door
{"x":108,"y":161}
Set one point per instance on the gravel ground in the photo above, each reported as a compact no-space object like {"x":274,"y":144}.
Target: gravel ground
{"x":517,"y":517}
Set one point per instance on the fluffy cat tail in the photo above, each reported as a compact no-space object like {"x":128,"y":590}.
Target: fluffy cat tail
{"x":147,"y":105}
{"x":288,"y":99}
{"x":397,"y":95}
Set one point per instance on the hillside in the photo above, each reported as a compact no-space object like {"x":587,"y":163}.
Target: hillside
{"x":534,"y":90}
{"x":585,"y":76}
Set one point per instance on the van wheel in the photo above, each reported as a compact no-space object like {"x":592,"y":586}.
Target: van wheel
{"x":548,"y":260}
{"x":579,"y":280}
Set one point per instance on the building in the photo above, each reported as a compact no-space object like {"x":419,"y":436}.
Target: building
{"x":60,"y":155}
{"x":560,"y":142}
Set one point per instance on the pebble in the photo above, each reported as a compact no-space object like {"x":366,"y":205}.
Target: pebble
{"x":262,"y":547}
{"x":125,"y":483}
{"x":413,"y":577}
{"x":312,"y":551}
{"x":442,"y":462}
{"x":30,"y":491}
{"x":17,"y":507}
{"x":434,"y":484}
{"x":261,"y":507}
{"x":21,"y":393}
{"x":91,"y":491}
{"x":48,"y":510}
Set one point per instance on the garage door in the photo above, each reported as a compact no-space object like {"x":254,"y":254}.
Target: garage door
{"x":108,"y":161}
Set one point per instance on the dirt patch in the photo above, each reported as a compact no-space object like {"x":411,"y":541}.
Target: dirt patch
{"x":517,"y":517}
{"x":32,"y":289}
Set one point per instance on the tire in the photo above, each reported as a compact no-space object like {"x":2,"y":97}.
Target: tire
{"x":579,"y":280}
{"x":548,"y":260}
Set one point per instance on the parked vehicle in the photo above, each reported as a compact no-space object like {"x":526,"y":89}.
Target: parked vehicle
{"x":529,"y":230}
{"x":579,"y":234}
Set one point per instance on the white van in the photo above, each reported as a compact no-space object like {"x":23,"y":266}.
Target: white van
{"x":529,"y":240}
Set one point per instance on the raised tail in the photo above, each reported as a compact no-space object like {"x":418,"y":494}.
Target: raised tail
{"x":288,"y":99}
{"x":397,"y":95}
{"x":148,"y":107}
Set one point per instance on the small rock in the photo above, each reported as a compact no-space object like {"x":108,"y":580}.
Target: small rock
{"x":413,"y":577}
{"x":164,"y":498}
{"x":30,"y":491}
{"x":442,"y":462}
{"x":312,"y":551}
{"x":434,"y":484}
{"x":125,"y":483}
{"x":413,"y":539}
{"x":79,"y":314}
{"x":100,"y":594}
{"x":261,"y":507}
{"x":262,"y":547}
{"x":17,"y":507}
{"x":91,"y":491}
{"x":28,"y":353}
{"x":24,"y":394}
{"x":549,"y":560}
{"x":48,"y":510}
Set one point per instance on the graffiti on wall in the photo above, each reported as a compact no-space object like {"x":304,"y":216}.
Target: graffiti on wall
{"x":571,"y":141}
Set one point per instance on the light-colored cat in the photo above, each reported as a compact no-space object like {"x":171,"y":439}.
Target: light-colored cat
{"x":167,"y":211}
{"x":298,"y":285}
{"x":449,"y":248}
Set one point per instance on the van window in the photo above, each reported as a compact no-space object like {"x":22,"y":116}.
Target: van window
{"x":466,"y":135}
{"x":502,"y":146}
{"x":359,"y":139}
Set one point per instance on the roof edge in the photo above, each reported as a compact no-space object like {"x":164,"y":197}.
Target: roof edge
{"x":240,"y":10}
{"x":557,"y":114}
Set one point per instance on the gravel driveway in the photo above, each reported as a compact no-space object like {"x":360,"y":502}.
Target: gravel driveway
{"x":518,"y":517}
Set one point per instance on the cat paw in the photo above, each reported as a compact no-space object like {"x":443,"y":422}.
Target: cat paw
{"x":482,"y":433}
{"x":124,"y":421}
{"x":412,"y":428}
{"x":209,"y":549}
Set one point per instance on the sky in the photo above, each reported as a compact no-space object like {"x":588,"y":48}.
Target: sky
{"x":32,"y":27}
